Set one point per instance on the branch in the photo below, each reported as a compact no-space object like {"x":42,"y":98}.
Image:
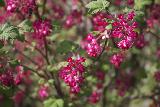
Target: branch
{"x":40,"y":75}
{"x":57,"y":82}
{"x":46,"y":51}
{"x":37,"y":49}
{"x":44,"y":7}
{"x":158,"y":37}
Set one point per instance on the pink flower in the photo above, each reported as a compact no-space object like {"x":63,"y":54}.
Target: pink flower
{"x":7,"y":78}
{"x":25,"y":7}
{"x":140,"y":42}
{"x":42,"y":28}
{"x":157,"y":76}
{"x":123,"y":83}
{"x":43,"y":92}
{"x":91,"y":45}
{"x":18,"y":97}
{"x":118,"y":2}
{"x":58,"y":11}
{"x":74,"y":18}
{"x":95,"y":97}
{"x":12,"y":5}
{"x":117,"y":59}
{"x":99,"y":21}
{"x":100,"y":75}
{"x":18,"y":76}
{"x":72,"y":74}
{"x":158,"y":52}
{"x":130,"y":2}
{"x":150,"y":23}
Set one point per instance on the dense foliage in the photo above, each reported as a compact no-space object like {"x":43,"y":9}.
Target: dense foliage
{"x":79,"y":53}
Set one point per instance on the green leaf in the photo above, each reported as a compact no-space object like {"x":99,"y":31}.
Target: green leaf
{"x":56,"y":67}
{"x":66,"y":46}
{"x":51,"y":102}
{"x":14,"y":63}
{"x":51,"y":81}
{"x":3,"y":52}
{"x":25,"y":26}
{"x":60,"y":103}
{"x":1,"y":45}
{"x":9,"y":32}
{"x":88,"y":62}
{"x":108,"y":27}
{"x":140,"y":4}
{"x":141,"y":74}
{"x":97,"y":6}
{"x":2,"y":3}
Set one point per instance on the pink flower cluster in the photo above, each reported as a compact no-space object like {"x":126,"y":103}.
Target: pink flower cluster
{"x":43,"y":92}
{"x":140,"y":42}
{"x":124,"y":29}
{"x":157,"y":76}
{"x":75,"y":17}
{"x":23,"y":6}
{"x":12,"y":5}
{"x":123,"y":83}
{"x":18,"y":97}
{"x":58,"y":11}
{"x":96,"y":95}
{"x":99,"y":21}
{"x":117,"y":59}
{"x":42,"y":28}
{"x":91,"y":45}
{"x":154,"y":16}
{"x":158,"y":52}
{"x":11,"y":77}
{"x":72,"y":74}
{"x":7,"y":78}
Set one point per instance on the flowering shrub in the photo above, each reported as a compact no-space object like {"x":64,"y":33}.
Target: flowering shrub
{"x":79,"y":53}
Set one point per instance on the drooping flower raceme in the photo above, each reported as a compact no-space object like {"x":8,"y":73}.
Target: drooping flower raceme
{"x":19,"y":97}
{"x":157,"y":76}
{"x":124,"y":29}
{"x":123,"y":84}
{"x":25,"y":7}
{"x":72,"y":74}
{"x":99,"y":22}
{"x":140,"y":42}
{"x":12,"y":5}
{"x":43,"y":92}
{"x":95,"y":97}
{"x":58,"y":11}
{"x":97,"y":93}
{"x":75,"y":17}
{"x":7,"y":78}
{"x":91,"y":45}
{"x":117,"y":59}
{"x":42,"y":28}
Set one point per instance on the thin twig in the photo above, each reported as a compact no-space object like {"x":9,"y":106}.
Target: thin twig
{"x":104,"y":47}
{"x":27,"y":57}
{"x":158,"y":37}
{"x":37,"y":49}
{"x":46,"y":51}
{"x":44,"y":7}
{"x":40,"y":75}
